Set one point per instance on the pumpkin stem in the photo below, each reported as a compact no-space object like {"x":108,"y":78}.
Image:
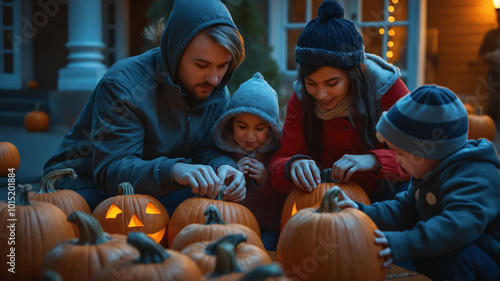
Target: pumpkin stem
{"x":22,"y":194}
{"x":262,"y":272}
{"x":213,"y":216}
{"x":220,"y":196}
{"x":37,"y":107}
{"x":329,"y":201}
{"x":47,"y":182}
{"x":226,"y":260}
{"x":51,"y":275}
{"x":233,"y":239}
{"x":326,"y":176}
{"x":125,"y":188}
{"x":91,"y":232}
{"x":150,"y":251}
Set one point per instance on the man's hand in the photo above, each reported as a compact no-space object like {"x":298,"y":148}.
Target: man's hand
{"x":202,"y":178}
{"x":254,"y":168}
{"x":234,"y":181}
{"x":345,"y":167}
{"x":305,"y":174}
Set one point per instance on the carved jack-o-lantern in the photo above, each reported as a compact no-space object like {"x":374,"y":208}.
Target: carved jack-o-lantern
{"x":130,"y":212}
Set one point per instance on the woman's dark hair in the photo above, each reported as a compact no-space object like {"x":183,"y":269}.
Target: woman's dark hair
{"x":364,"y":108}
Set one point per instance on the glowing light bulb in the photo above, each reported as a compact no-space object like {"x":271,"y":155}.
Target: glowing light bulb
{"x":391,"y":19}
{"x":391,"y":9}
{"x":391,"y":32}
{"x":396,"y":1}
{"x":390,"y":54}
{"x":390,"y":44}
{"x":381,"y":31}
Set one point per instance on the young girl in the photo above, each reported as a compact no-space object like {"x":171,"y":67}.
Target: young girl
{"x":249,"y":130}
{"x":331,"y":116}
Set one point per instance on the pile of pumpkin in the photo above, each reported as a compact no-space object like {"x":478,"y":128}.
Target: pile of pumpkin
{"x":131,"y":236}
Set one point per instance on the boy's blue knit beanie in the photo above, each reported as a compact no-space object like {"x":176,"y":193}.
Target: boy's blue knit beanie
{"x":330,"y":40}
{"x":257,"y":97}
{"x":430,"y":122}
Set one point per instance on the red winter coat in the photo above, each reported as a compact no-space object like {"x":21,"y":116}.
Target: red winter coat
{"x":338,"y":138}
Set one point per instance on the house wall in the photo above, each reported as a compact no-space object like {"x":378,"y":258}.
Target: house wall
{"x":455,"y":29}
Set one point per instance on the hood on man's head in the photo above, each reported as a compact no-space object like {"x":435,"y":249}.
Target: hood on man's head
{"x":187,"y":19}
{"x":257,"y":97}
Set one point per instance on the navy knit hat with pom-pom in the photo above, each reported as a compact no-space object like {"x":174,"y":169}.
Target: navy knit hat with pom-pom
{"x":330,"y":40}
{"x":430,"y":122}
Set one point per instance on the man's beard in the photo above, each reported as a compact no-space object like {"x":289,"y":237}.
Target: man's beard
{"x":191,"y":92}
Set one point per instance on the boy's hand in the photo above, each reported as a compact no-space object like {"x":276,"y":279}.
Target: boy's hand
{"x":386,"y":253}
{"x":202,"y":178}
{"x":234,"y":181}
{"x":345,"y":201}
{"x":254,"y":168}
{"x":345,"y":167}
{"x":305,"y":174}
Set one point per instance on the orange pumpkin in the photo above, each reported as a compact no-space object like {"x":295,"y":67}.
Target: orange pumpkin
{"x":36,"y":120}
{"x":299,"y":199}
{"x":325,"y":243}
{"x":154,"y":263}
{"x":247,"y":256}
{"x":9,"y":158}
{"x":91,"y":252}
{"x":213,"y":229}
{"x":33,"y":84}
{"x":226,"y":267}
{"x":131,"y":212}
{"x":31,"y":229}
{"x":67,"y":200}
{"x":192,"y":211}
{"x":481,"y":126}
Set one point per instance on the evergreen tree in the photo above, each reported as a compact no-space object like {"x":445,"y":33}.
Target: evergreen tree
{"x":252,"y":28}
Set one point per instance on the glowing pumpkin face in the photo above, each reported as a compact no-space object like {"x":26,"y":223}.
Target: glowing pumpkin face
{"x":133,"y":212}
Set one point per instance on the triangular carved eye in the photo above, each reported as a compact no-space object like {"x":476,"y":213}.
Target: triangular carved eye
{"x":151,"y":209}
{"x":113,"y":211}
{"x":135,"y":222}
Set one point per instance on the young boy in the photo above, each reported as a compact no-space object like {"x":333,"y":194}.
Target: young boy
{"x":448,"y":221}
{"x":249,"y":130}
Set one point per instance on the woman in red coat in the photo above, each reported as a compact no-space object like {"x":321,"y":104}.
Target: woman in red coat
{"x":331,"y":115}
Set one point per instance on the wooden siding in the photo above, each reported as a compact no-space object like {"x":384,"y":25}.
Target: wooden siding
{"x":461,"y":25}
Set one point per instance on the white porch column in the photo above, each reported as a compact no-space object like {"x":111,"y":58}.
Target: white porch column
{"x":85,"y":45}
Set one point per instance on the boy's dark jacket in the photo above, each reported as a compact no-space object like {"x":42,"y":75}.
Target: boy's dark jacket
{"x":456,"y":204}
{"x":137,"y":123}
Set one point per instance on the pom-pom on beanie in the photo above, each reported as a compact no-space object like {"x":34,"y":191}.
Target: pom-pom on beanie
{"x":257,"y":97}
{"x":430,"y":122}
{"x":330,"y":40}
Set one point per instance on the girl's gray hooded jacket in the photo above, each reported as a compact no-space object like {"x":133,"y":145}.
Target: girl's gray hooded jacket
{"x":137,"y":124}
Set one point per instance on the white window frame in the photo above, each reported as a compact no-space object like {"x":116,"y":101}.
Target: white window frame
{"x":121,"y":28}
{"x":19,"y":43}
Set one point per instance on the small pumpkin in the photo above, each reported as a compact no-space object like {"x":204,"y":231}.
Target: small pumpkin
{"x":192,"y":211}
{"x":267,"y":272}
{"x":481,"y":126}
{"x":154,"y":263}
{"x":9,"y":158}
{"x":299,"y":199}
{"x":35,"y":227}
{"x":226,"y":267}
{"x":247,"y":256}
{"x":214,"y":228}
{"x":36,"y":120}
{"x":92,"y":251}
{"x":67,"y":200}
{"x":129,"y":212}
{"x":33,"y":84}
{"x":337,"y":244}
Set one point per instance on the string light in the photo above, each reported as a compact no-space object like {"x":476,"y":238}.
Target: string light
{"x":395,"y":1}
{"x":391,"y":32}
{"x":391,"y":19}
{"x":390,"y":54}
{"x":381,"y":31}
{"x":390,"y":44}
{"x":391,"y":9}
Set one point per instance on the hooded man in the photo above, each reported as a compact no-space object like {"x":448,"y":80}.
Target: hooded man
{"x":149,"y":119}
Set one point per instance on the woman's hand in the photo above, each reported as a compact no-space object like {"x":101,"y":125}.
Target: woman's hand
{"x":345,"y":167}
{"x":386,"y":253}
{"x":305,"y":174}
{"x":254,"y":168}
